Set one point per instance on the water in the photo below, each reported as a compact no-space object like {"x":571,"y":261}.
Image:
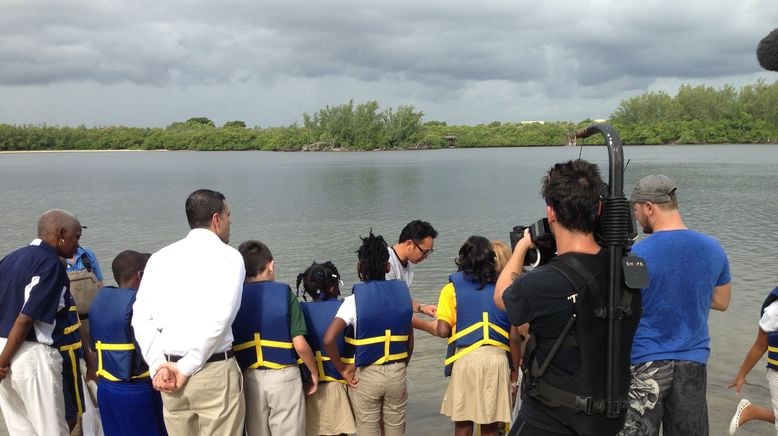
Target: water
{"x":314,"y":206}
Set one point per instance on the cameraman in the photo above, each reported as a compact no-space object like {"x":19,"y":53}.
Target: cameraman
{"x":563,"y":302}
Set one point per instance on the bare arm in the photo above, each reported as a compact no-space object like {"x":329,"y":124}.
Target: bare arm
{"x":516,"y":356}
{"x":443,"y":329}
{"x":306,"y":354}
{"x":752,"y":357}
{"x":330,"y":345}
{"x":512,"y":269}
{"x":410,"y":344}
{"x":16,"y":336}
{"x":721,"y":296}
{"x":90,"y":357}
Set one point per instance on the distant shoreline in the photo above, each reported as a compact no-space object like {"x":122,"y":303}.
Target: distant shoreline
{"x":347,"y":150}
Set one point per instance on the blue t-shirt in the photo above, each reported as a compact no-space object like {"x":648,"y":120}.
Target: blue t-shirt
{"x":33,"y":282}
{"x":683,"y":266}
{"x":78,"y":265}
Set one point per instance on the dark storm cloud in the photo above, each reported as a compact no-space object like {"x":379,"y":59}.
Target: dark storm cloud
{"x":195,"y":42}
{"x":440,"y":49}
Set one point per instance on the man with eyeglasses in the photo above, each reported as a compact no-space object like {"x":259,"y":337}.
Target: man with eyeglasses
{"x":416,"y":243}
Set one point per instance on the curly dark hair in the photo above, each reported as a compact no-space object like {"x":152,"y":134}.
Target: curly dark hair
{"x":476,"y":259}
{"x":575,"y":189}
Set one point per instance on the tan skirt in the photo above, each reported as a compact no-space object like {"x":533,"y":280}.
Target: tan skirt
{"x":479,"y":389}
{"x":328,"y":411}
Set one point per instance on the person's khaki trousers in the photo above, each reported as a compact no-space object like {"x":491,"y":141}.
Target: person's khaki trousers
{"x":380,"y":396}
{"x":211,"y":402}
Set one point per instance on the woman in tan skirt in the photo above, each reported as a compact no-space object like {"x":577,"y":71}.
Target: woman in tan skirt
{"x":479,"y":343}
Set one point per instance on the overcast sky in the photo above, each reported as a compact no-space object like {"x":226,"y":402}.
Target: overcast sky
{"x":150,"y":63}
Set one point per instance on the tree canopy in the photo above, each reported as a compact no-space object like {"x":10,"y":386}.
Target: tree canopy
{"x":695,"y":115}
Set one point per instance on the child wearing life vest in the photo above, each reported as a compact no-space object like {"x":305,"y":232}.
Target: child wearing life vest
{"x":766,"y":341}
{"x":269,"y":335}
{"x":380,"y":313}
{"x":129,"y":405}
{"x":327,"y":411}
{"x":479,"y":390}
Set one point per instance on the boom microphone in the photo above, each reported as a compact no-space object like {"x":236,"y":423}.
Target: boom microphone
{"x":767,"y":51}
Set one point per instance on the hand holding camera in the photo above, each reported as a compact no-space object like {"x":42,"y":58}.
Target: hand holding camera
{"x":542,"y":245}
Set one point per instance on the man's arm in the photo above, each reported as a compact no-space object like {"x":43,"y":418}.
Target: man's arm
{"x":512,"y":269}
{"x":147,"y":335}
{"x":721,"y":296}
{"x":16,"y":336}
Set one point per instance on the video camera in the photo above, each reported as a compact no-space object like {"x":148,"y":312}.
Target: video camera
{"x":540,"y":234}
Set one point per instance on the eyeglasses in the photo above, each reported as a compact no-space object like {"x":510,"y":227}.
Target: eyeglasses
{"x":424,"y":253}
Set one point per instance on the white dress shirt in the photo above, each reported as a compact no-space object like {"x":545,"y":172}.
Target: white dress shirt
{"x":189,"y":296}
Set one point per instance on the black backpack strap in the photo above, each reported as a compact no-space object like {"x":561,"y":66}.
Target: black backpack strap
{"x":580,"y":278}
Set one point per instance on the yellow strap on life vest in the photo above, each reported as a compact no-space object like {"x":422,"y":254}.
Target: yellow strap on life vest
{"x":387,"y":340}
{"x":771,"y":349}
{"x":102,"y":372}
{"x":320,"y":359}
{"x":484,"y":325}
{"x":71,"y":350}
{"x":258,"y":343}
{"x":71,"y":328}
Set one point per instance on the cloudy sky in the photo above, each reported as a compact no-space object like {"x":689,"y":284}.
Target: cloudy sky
{"x":150,"y":63}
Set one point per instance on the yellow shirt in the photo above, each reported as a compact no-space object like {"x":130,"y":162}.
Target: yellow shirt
{"x":447,"y":305}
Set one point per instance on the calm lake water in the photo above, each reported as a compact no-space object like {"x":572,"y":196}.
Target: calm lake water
{"x":314,"y":206}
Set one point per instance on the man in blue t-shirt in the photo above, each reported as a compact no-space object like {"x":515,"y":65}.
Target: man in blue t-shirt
{"x":688,"y":276}
{"x":34,"y":304}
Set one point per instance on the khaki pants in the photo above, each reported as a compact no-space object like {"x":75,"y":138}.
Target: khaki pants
{"x":275,"y":403}
{"x":211,"y":402}
{"x":31,"y":395}
{"x":381,"y":394}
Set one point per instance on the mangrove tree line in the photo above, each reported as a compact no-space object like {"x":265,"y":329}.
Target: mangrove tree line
{"x":696,"y":114}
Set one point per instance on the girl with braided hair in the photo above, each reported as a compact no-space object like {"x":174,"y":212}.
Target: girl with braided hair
{"x":380,"y":313}
{"x":327,"y":411}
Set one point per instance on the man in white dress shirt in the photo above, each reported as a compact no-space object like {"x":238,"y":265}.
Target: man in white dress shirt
{"x":189,"y":296}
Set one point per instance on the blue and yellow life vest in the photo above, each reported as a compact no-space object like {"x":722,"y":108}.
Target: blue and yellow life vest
{"x":383,"y":322}
{"x":69,"y":346}
{"x":261,"y":328}
{"x":318,"y":317}
{"x":110,"y":317}
{"x":479,"y":322}
{"x":772,"y":337}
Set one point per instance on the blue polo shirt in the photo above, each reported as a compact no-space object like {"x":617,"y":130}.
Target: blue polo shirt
{"x":33,"y":281}
{"x":78,"y":265}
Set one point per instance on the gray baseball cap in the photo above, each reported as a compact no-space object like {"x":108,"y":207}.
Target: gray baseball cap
{"x":654,"y":189}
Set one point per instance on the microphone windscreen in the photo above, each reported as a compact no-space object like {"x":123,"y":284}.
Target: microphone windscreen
{"x":767,"y":51}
